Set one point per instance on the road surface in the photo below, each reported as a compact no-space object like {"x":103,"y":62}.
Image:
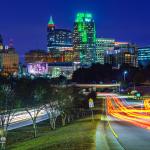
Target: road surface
{"x":25,"y":122}
{"x":132,"y":125}
{"x":131,"y":137}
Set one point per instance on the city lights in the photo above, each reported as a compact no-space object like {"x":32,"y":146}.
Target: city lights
{"x":73,"y":75}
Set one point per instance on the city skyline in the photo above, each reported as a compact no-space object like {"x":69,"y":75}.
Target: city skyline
{"x":28,"y":28}
{"x":74,"y":74}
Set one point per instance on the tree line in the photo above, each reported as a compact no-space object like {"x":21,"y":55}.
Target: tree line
{"x":98,"y":73}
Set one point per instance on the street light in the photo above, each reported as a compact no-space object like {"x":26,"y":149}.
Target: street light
{"x":124,"y":74}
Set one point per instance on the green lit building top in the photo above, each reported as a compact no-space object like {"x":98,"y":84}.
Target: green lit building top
{"x":84,"y":38}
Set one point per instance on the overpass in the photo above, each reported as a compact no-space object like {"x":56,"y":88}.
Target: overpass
{"x":98,"y":85}
{"x":115,"y":87}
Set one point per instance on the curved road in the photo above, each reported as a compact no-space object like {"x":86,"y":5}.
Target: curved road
{"x":27,"y":122}
{"x":130,"y":136}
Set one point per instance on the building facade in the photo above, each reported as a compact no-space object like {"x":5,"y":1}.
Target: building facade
{"x":35,"y":56}
{"x":68,"y":56}
{"x":9,"y":61}
{"x":123,"y":53}
{"x":144,"y":56}
{"x":39,"y":56}
{"x":102,"y":45}
{"x":84,"y":38}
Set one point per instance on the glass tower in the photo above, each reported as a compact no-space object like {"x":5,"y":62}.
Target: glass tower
{"x":84,"y":39}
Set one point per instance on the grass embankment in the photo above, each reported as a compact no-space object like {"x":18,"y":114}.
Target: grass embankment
{"x":79,"y":135}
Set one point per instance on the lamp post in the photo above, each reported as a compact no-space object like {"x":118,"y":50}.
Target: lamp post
{"x":124,"y":74}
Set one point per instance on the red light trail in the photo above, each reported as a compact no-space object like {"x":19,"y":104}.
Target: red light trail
{"x":136,"y":116}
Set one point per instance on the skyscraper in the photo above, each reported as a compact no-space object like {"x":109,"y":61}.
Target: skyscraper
{"x":84,"y":38}
{"x":58,"y":39}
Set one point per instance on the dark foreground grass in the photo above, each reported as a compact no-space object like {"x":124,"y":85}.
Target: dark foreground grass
{"x":77,"y":136}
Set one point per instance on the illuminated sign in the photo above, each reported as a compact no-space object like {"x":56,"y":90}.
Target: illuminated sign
{"x":138,"y":94}
{"x":37,"y":68}
{"x":91,"y":103}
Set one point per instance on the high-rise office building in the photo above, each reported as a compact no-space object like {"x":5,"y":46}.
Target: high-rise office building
{"x":144,"y":56}
{"x":123,"y":53}
{"x":84,"y":39}
{"x":126,"y":53}
{"x":58,"y":39}
{"x":103,"y":45}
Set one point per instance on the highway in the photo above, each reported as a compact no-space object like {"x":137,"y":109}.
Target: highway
{"x":22,"y":118}
{"x":26,"y":122}
{"x":130,"y":122}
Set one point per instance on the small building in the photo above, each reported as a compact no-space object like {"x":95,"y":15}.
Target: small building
{"x":64,"y":68}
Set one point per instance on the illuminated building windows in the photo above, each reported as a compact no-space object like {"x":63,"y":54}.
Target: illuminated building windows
{"x":118,"y":53}
{"x":103,"y":45}
{"x":84,"y":38}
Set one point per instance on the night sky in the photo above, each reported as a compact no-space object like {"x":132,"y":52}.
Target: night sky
{"x":25,"y":21}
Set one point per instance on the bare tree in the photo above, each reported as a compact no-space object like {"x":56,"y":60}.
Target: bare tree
{"x":7,"y":110}
{"x":52,"y":111}
{"x":34,"y":106}
{"x":51,"y":106}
